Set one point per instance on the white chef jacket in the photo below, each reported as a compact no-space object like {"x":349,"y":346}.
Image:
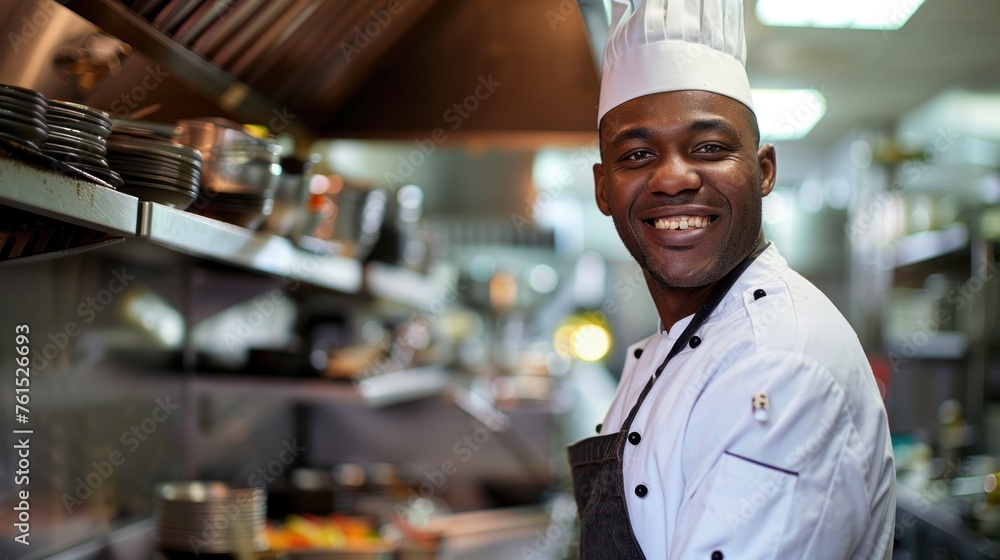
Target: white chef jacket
{"x":815,"y":479}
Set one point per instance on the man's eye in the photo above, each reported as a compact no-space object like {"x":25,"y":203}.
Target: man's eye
{"x":638,"y":155}
{"x":709,"y":149}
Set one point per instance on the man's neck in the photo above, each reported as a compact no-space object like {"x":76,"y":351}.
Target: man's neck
{"x":673,"y":304}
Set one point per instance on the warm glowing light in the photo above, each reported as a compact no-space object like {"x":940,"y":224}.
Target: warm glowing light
{"x":562,"y":341}
{"x":591,"y":342}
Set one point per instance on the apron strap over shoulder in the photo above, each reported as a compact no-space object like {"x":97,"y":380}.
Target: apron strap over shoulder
{"x":716,"y":296}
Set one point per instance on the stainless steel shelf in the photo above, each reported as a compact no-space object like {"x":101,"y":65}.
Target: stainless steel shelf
{"x":943,"y":345}
{"x":924,"y":246}
{"x":313,"y":262}
{"x":376,"y":391}
{"x":400,"y":285}
{"x":74,"y":201}
{"x":294,"y":389}
{"x":207,"y":238}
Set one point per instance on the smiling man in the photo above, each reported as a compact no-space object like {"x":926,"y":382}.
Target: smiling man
{"x":750,"y":425}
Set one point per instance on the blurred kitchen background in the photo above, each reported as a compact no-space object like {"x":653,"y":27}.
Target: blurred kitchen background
{"x":395,"y":339}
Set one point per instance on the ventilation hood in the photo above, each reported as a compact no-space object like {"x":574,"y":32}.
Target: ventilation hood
{"x":358,"y":68}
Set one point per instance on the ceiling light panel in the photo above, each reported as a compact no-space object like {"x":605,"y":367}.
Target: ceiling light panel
{"x":884,"y":15}
{"x":787,"y":114}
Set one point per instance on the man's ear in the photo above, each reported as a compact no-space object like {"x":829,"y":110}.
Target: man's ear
{"x":766,"y":158}
{"x":599,"y":186}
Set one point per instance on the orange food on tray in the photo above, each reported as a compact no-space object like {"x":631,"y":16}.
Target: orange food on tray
{"x":331,"y":532}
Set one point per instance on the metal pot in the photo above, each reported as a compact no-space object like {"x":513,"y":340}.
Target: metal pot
{"x":233,"y":162}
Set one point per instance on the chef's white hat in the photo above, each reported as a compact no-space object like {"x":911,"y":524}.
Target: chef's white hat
{"x":672,"y":45}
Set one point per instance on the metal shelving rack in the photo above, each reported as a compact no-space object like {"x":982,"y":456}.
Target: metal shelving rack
{"x":66,"y":199}
{"x":260,"y":252}
{"x":88,"y":205}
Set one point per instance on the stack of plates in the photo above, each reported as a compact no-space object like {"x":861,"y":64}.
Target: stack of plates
{"x":155,"y":169}
{"x":22,"y":115}
{"x":78,"y":135}
{"x":210,"y":517}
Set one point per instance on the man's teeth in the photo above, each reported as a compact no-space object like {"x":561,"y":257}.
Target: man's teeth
{"x":682,"y":222}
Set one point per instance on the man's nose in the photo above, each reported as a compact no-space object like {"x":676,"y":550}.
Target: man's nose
{"x":674,"y":174}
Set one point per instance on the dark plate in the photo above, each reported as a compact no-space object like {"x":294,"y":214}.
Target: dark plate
{"x":79,"y":134}
{"x":168,"y":182}
{"x":23,"y":118}
{"x":23,"y":107}
{"x":84,"y":126}
{"x":145,"y":129}
{"x":108,"y":175}
{"x":32,"y":134}
{"x":71,"y":157}
{"x":164,"y":160}
{"x":98,"y":129}
{"x":156,"y":176}
{"x":59,"y":146}
{"x":159,"y":147}
{"x":160,"y":170}
{"x":23,"y":94}
{"x":74,"y":111}
{"x":65,"y":140}
{"x":95,"y":114}
{"x":18,"y":139}
{"x":178,"y":198}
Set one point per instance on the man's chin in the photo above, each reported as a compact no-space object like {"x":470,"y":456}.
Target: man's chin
{"x":671,"y":277}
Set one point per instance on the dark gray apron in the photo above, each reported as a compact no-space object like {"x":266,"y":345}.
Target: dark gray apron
{"x":596,"y":462}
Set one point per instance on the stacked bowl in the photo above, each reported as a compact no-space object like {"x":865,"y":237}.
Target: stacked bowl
{"x":240,"y":173}
{"x":153,"y":167}
{"x":78,"y":135}
{"x":210,"y":517}
{"x":22,"y":115}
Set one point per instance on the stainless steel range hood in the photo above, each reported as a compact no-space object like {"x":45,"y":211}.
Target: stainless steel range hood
{"x":364,"y":68}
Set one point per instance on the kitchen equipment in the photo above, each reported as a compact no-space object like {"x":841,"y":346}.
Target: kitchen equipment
{"x":22,"y":115}
{"x":153,"y":168}
{"x":240,"y":173}
{"x":77,"y":135}
{"x":290,"y":197}
{"x":210,"y":517}
{"x":234,"y":161}
{"x":359,"y":220}
{"x":145,"y":129}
